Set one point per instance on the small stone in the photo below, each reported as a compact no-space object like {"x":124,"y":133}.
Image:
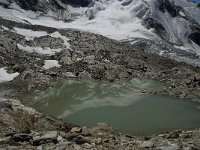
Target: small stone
{"x":77,"y":147}
{"x":162,"y":135}
{"x":59,"y":138}
{"x":147,"y":138}
{"x":62,"y":145}
{"x":70,"y":136}
{"x":106,"y":61}
{"x":175,"y":69}
{"x":88,"y":146}
{"x":84,"y":75}
{"x":68,"y":75}
{"x":4,"y":140}
{"x":173,"y":135}
{"x":21,"y":137}
{"x":76,"y":130}
{"x":195,"y":148}
{"x":66,"y":60}
{"x":40,"y":147}
{"x":144,"y":91}
{"x":129,"y":136}
{"x":81,"y":140}
{"x":184,"y":136}
{"x":173,"y":85}
{"x":147,"y":144}
{"x":49,"y":137}
{"x":169,"y":147}
{"x":89,"y":59}
{"x":99,"y":141}
{"x":6,"y":104}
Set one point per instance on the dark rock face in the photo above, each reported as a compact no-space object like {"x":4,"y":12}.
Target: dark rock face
{"x":159,"y":29}
{"x":195,"y":37}
{"x":171,"y":20}
{"x":36,"y":5}
{"x":82,"y":3}
{"x":166,"y":5}
{"x":28,"y":5}
{"x":176,"y":25}
{"x":171,"y":8}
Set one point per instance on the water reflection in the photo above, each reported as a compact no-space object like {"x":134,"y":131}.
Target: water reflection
{"x":74,"y":95}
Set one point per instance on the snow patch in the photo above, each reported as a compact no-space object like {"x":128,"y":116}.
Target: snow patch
{"x":5,"y":77}
{"x":30,"y":34}
{"x":50,"y":64}
{"x":64,"y":38}
{"x":40,"y":50}
{"x":161,"y":53}
{"x":192,"y":47}
{"x":4,"y":28}
{"x":182,"y":13}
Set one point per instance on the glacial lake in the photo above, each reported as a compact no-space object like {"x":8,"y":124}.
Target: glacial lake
{"x":119,"y":104}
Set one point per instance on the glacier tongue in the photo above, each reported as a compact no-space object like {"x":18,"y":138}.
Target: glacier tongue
{"x":168,"y":24}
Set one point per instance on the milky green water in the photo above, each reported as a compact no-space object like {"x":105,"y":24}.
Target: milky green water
{"x":88,"y":102}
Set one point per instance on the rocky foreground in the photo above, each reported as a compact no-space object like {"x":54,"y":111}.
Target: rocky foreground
{"x":92,"y":57}
{"x":25,"y":128}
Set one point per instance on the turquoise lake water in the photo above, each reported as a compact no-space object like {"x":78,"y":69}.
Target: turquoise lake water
{"x":118,"y":104}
